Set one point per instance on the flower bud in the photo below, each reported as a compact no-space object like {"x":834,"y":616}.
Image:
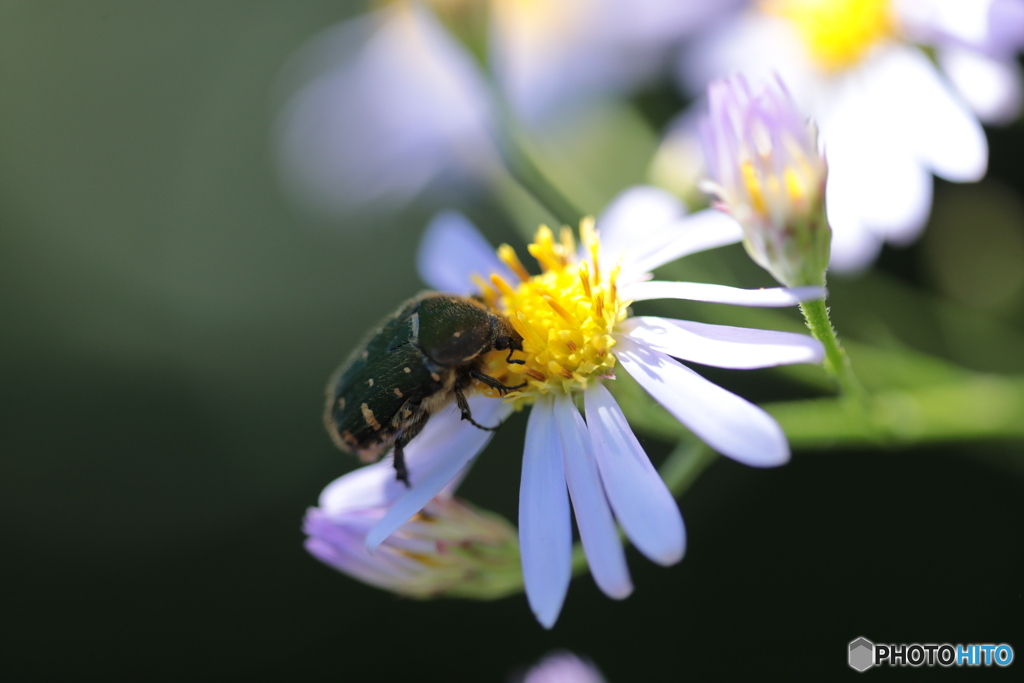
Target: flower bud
{"x":563,"y":667}
{"x":449,"y":549}
{"x":767,"y":172}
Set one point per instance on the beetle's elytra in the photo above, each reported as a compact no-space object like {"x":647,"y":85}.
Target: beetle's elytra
{"x":418,"y":360}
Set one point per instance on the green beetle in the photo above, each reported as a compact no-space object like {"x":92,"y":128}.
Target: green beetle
{"x":417,"y":361}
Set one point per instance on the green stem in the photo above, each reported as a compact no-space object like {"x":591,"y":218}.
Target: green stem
{"x":836,"y":361}
{"x":685,"y":465}
{"x":969,"y":407}
{"x":979,"y":407}
{"x":522,"y":166}
{"x":518,"y":160}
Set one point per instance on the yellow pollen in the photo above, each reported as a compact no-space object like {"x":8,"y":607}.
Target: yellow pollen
{"x":503,"y":287}
{"x":558,"y":308}
{"x":568,"y":243}
{"x":566,"y":315}
{"x":486,"y":291}
{"x":793,"y":186}
{"x":508,"y":256}
{"x":753,"y":184}
{"x":585,"y":279}
{"x":790,"y":190}
{"x":837,"y":33}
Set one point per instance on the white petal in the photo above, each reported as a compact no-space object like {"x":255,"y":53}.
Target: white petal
{"x":545,"y":529}
{"x":876,"y":180}
{"x":366,"y":487}
{"x":701,"y":231}
{"x":633,"y":216}
{"x":753,"y":43}
{"x":941,"y":130}
{"x":931,"y":20}
{"x":451,"y":251}
{"x":721,"y":294}
{"x":854,"y":247}
{"x":436,"y":457}
{"x":642,"y":503}
{"x":992,"y":87}
{"x":605,"y":555}
{"x":723,"y":346}
{"x":729,"y":424}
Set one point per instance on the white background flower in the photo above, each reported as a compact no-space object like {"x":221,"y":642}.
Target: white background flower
{"x":382,"y":105}
{"x":385,"y":104}
{"x":888,"y":119}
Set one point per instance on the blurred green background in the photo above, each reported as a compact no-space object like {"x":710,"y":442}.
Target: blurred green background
{"x":168,"y":323}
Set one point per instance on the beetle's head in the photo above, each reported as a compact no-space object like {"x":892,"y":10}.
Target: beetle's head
{"x":505,"y":336}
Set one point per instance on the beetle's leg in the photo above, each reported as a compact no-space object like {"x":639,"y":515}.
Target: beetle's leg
{"x":460,"y":400}
{"x":509,"y":359}
{"x":493,"y":383}
{"x":401,"y":471}
{"x":406,"y":435}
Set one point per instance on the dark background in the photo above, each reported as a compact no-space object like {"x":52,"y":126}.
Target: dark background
{"x":168,"y":322}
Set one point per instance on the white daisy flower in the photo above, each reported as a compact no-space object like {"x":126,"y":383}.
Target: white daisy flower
{"x":448,"y":548}
{"x":887,"y":117}
{"x":382,"y":106}
{"x":576,"y":328}
{"x":549,"y":57}
{"x":388,"y":103}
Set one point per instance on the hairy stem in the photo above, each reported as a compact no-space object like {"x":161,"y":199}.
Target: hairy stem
{"x":836,"y":361}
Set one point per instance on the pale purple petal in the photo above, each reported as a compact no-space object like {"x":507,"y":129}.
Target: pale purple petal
{"x":721,"y":294}
{"x":545,"y":528}
{"x":436,"y":457}
{"x":605,"y":555}
{"x":698,"y":232}
{"x":394,"y":102}
{"x":729,"y":424}
{"x":341,"y":548}
{"x":642,"y":503}
{"x":1005,"y":27}
{"x":723,"y":346}
{"x":564,"y":667}
{"x":451,"y":251}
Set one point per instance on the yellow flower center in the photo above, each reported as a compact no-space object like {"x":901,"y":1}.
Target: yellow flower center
{"x":837,"y":33}
{"x":792,"y":188}
{"x":566,"y":315}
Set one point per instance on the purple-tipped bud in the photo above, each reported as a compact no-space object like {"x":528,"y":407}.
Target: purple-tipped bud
{"x":449,"y":549}
{"x":767,"y":172}
{"x":563,"y":667}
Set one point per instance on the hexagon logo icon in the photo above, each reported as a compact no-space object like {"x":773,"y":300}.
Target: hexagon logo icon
{"x":862,"y":654}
